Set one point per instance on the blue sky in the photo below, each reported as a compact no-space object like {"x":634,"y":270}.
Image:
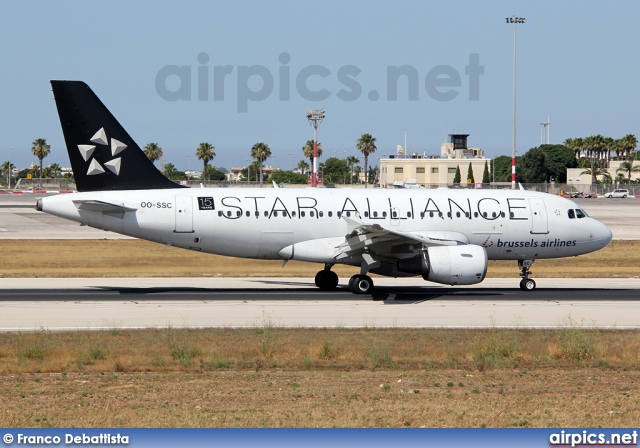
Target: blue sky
{"x":577,"y":63}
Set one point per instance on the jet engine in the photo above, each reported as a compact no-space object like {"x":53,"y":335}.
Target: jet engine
{"x":451,"y":265}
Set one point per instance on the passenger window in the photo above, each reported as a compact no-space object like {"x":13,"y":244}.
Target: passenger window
{"x":338,"y":214}
{"x":219,"y":212}
{"x":457,"y":214}
{"x":293,"y":214}
{"x":430,"y":214}
{"x":311,"y":214}
{"x":448,"y":214}
{"x":366,"y":214}
{"x":238,"y":213}
{"x":375,"y":214}
{"x":302,"y":214}
{"x":394,"y":214}
{"x":320,"y":214}
{"x":257,"y":214}
{"x":266,"y":214}
{"x":408,"y":214}
{"x":248,"y":213}
{"x":348,"y":214}
{"x":275,"y":214}
{"x":330,"y":214}
{"x":572,"y":215}
{"x":580,"y":213}
{"x":384,"y":214}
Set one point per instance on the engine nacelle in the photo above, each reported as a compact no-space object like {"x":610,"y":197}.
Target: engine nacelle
{"x":450,"y":265}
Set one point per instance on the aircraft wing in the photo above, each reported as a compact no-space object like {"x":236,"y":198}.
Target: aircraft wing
{"x":115,"y":210}
{"x":386,"y":241}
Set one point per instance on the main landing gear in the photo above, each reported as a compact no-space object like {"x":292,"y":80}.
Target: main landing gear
{"x":327,"y":280}
{"x":360,"y":284}
{"x":526,"y":284}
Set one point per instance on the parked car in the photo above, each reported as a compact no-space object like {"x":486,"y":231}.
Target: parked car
{"x":617,"y":194}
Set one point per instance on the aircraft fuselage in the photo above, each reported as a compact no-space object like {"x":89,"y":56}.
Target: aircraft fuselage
{"x":261,"y":222}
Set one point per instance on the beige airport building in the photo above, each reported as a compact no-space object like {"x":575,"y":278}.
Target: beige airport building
{"x":406,"y":170}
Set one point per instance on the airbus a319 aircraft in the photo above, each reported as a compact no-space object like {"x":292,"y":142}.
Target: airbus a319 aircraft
{"x":446,"y":236}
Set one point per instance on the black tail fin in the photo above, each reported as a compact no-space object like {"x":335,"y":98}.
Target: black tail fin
{"x":103,"y":156}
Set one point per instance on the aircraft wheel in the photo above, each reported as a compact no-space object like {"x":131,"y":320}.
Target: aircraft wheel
{"x":326,"y":280}
{"x":527,"y":285}
{"x":361,"y":284}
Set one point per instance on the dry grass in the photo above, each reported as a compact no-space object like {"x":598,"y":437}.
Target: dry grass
{"x":135,"y":258}
{"x":275,"y":377}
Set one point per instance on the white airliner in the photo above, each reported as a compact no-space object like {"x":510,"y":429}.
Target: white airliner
{"x":446,"y":236}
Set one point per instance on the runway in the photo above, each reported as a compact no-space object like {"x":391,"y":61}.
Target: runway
{"x":76,"y":304}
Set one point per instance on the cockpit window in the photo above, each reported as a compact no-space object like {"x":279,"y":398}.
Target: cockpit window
{"x":572,"y":214}
{"x":581,"y":213}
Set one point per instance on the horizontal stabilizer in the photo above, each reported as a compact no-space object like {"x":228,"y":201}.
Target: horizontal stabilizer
{"x":115,"y":210}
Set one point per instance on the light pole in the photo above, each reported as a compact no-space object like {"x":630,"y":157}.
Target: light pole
{"x":315,"y":117}
{"x":248,"y":171}
{"x":290,"y":161}
{"x":188,"y":166}
{"x":9,"y":169}
{"x":515,"y":20}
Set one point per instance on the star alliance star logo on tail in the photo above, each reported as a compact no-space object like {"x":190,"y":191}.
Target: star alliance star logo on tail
{"x":113,"y":165}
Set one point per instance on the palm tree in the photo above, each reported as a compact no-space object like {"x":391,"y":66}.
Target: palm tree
{"x":170,"y":170}
{"x":303,"y":166}
{"x":153,"y":151}
{"x":618,"y":146}
{"x":260,"y":152}
{"x":609,"y":144}
{"x":571,"y":144}
{"x":630,"y":142}
{"x":205,"y":152}
{"x":351,"y":162}
{"x":627,"y":167}
{"x":7,"y":167}
{"x":597,"y":144}
{"x":578,"y":146}
{"x":55,"y":168}
{"x":41,"y":149}
{"x":595,"y":171}
{"x":357,"y":170}
{"x":366,"y":144}
{"x":307,"y":150}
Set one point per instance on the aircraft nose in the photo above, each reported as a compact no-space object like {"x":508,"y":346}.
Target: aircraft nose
{"x":603,"y":234}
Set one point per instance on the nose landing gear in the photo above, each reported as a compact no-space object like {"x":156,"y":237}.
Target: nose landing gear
{"x":526,"y":284}
{"x":326,"y":280}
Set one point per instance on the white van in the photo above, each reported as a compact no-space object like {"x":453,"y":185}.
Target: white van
{"x":617,"y":194}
